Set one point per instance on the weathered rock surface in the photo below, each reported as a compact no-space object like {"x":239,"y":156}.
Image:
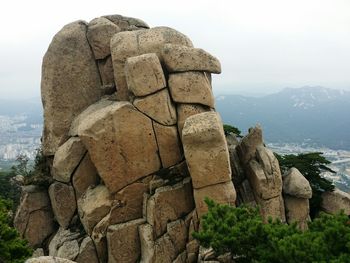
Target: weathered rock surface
{"x":191,"y":87}
{"x":144,"y":74}
{"x":48,"y":259}
{"x":121,"y":154}
{"x":169,"y":145}
{"x":206,"y":150}
{"x":186,"y":110}
{"x":105,"y":67}
{"x":295,"y":184}
{"x":60,"y":238}
{"x":265,"y":176}
{"x":67,"y":159}
{"x":168,"y":204}
{"x":182,"y":58}
{"x":164,"y":113}
{"x":84,"y":176}
{"x":247,"y":147}
{"x":223,"y":193}
{"x":334,"y":202}
{"x":34,"y":218}
{"x":87,"y":252}
{"x":70,"y":82}
{"x":93,"y":206}
{"x":124,"y":242}
{"x":134,"y":43}
{"x":297,"y":210}
{"x":69,"y":250}
{"x":127,"y":23}
{"x":99,"y":33}
{"x":63,"y":203}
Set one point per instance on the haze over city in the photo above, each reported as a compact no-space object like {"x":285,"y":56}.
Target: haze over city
{"x":263,"y":46}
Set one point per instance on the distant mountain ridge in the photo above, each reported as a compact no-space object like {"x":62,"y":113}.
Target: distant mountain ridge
{"x":316,"y":115}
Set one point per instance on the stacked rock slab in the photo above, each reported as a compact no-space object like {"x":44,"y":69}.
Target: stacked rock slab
{"x":263,"y":173}
{"x":297,"y":192}
{"x":135,"y":141}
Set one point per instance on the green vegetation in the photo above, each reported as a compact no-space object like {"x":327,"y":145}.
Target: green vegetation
{"x":37,"y":174}
{"x":311,"y":165}
{"x":242,"y":232}
{"x":228,"y":129}
{"x":12,"y":247}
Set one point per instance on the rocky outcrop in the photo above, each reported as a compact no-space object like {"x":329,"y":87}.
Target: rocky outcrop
{"x":137,"y":146}
{"x":34,"y":218}
{"x":70,"y":82}
{"x":334,"y":202}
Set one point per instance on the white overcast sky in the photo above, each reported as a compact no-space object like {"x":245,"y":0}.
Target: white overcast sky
{"x":263,"y":45}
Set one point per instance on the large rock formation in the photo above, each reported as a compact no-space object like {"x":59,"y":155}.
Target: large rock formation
{"x":137,"y":146}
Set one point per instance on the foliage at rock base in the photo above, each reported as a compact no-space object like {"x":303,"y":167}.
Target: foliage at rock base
{"x":12,"y":248}
{"x":242,"y":232}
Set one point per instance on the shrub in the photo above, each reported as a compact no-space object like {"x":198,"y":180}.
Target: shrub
{"x":242,"y":232}
{"x":228,"y":129}
{"x":12,"y":247}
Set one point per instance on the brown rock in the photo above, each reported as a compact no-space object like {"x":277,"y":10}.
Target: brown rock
{"x":105,"y":67}
{"x":81,"y":118}
{"x":181,"y":58}
{"x":191,"y":87}
{"x":69,"y":250}
{"x":123,"y":46}
{"x":34,"y":217}
{"x":99,"y":33}
{"x":125,"y":22}
{"x":84,"y":176}
{"x":181,"y":258}
{"x":48,"y":259}
{"x":67,"y":159}
{"x":99,"y":237}
{"x":186,"y":110}
{"x":144,"y":74}
{"x":168,"y":204}
{"x":170,"y":149}
{"x":247,"y":148}
{"x":124,"y":242}
{"x":295,"y":184}
{"x":94,"y":205}
{"x":63,"y":202}
{"x":265,"y":185}
{"x":121,"y":154}
{"x":245,"y":194}
{"x":60,"y":238}
{"x":334,"y":202}
{"x":297,"y":210}
{"x":70,"y":82}
{"x":273,"y":207}
{"x":178,"y":233}
{"x":147,"y":243}
{"x":87,"y":252}
{"x":164,"y":249}
{"x":206,"y":150}
{"x":158,"y":106}
{"x":223,"y":193}
{"x":134,"y":43}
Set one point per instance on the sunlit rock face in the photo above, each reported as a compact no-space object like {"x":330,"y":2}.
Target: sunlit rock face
{"x":137,"y":145}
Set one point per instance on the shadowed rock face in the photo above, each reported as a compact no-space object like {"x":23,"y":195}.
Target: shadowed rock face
{"x":137,"y":146}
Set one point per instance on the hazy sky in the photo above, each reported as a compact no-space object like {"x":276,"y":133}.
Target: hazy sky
{"x":263,"y":45}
